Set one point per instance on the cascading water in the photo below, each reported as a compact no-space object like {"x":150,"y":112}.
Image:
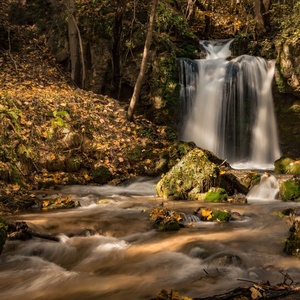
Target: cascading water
{"x":228,"y":106}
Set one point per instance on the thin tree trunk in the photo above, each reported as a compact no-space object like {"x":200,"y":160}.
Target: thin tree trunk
{"x":261,"y":14}
{"x":116,"y":49}
{"x":73,"y":43}
{"x":81,"y":53}
{"x":139,"y":81}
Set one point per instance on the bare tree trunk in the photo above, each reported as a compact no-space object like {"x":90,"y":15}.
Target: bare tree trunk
{"x":73,"y":43}
{"x":261,"y":9}
{"x":139,"y":81}
{"x":116,"y":49}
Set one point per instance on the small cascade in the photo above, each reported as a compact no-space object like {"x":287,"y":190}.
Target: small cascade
{"x":267,"y":189}
{"x":228,"y":106}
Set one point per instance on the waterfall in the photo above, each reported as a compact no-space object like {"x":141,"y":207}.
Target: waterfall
{"x":227,"y":106}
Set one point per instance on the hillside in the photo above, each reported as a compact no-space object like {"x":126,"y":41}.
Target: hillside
{"x":53,"y":133}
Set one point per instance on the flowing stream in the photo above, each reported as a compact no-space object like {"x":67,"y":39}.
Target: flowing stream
{"x":127,"y":259}
{"x":228,"y":106}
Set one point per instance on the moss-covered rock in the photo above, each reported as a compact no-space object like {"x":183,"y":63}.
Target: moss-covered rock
{"x":194,"y":171}
{"x":240,"y":181}
{"x":289,"y":190}
{"x":178,"y":150}
{"x":60,"y":202}
{"x":3,"y":233}
{"x":216,"y":195}
{"x":165,"y":220}
{"x":287,"y":165}
{"x":207,"y":214}
{"x":101,"y":174}
{"x":292,"y":243}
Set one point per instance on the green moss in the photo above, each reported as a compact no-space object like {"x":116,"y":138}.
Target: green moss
{"x":292,"y":243}
{"x":290,"y":190}
{"x":287,"y":165}
{"x":194,"y":170}
{"x":170,"y":225}
{"x":220,"y":216}
{"x":216,"y":195}
{"x":101,"y":174}
{"x":135,"y":154}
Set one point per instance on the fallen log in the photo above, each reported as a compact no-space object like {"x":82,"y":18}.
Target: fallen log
{"x":21,"y":231}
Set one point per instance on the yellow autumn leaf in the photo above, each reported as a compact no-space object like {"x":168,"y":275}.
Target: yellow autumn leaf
{"x":255,"y":294}
{"x":15,"y":187}
{"x":68,"y":199}
{"x":46,"y":203}
{"x":206,"y":213}
{"x":58,"y":201}
{"x":86,"y":176}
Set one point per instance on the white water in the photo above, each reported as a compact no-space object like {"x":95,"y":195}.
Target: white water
{"x":228,"y":106}
{"x":128,"y":259}
{"x":267,"y":189}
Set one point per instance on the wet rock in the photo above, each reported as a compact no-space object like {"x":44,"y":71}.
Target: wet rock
{"x":238,"y":181}
{"x":57,"y":202}
{"x":165,"y":220}
{"x":224,"y":260}
{"x":198,"y":252}
{"x":292,"y":243}
{"x":238,"y":199}
{"x":289,"y":190}
{"x":206,"y":214}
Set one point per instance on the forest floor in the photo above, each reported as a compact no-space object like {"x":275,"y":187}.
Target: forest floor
{"x":53,"y":133}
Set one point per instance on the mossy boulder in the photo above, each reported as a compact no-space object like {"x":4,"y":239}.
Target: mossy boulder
{"x":193,"y":173}
{"x":292,"y":243}
{"x":289,"y":190}
{"x":3,"y":233}
{"x":101,"y":174}
{"x":287,"y":165}
{"x":177,"y":151}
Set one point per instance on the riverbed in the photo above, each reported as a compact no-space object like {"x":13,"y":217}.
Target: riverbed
{"x":108,"y":248}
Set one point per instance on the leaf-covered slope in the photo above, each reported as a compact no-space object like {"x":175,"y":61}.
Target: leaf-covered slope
{"x":52,"y":132}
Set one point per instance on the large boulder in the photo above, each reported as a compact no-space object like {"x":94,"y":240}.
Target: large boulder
{"x":193,"y":175}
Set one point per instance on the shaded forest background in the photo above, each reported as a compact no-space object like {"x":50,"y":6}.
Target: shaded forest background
{"x":69,"y":70}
